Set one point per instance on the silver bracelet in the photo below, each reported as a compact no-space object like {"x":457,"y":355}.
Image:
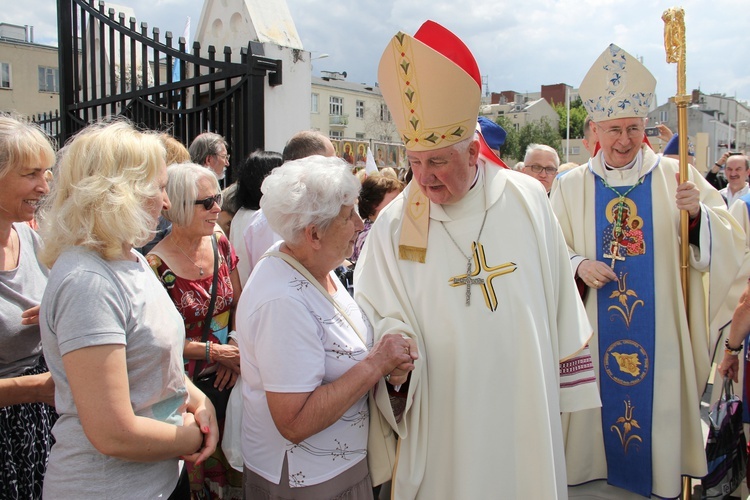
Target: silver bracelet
{"x":388,"y":378}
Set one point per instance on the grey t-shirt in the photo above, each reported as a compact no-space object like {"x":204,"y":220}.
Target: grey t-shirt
{"x":20,"y":289}
{"x":90,"y":302}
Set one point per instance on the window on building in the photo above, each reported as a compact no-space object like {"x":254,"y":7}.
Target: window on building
{"x":49,"y":79}
{"x":360,"y":109}
{"x":385,"y":115}
{"x":336,"y":134}
{"x":314,"y":103}
{"x":4,"y":75}
{"x":574,"y":150}
{"x":336,"y":106}
{"x":663,"y":116}
{"x":359,"y":135}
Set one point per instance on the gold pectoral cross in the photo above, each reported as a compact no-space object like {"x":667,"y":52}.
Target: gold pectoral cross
{"x":472,"y":277}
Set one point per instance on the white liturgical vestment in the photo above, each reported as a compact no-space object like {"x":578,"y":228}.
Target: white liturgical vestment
{"x":682,"y":359}
{"x":482,"y":415}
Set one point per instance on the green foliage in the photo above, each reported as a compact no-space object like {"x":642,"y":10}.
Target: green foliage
{"x":510,"y":147}
{"x":516,"y":141}
{"x":541,"y":132}
{"x":577,"y":117}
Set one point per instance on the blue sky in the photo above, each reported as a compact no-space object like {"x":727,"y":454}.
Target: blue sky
{"x":518,"y":45}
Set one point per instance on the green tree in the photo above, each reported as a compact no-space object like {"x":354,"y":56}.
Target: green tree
{"x":577,"y":117}
{"x":541,"y":132}
{"x":509,"y":150}
{"x":516,"y":141}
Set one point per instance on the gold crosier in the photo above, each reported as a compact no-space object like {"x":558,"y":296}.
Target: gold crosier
{"x":674,"y":44}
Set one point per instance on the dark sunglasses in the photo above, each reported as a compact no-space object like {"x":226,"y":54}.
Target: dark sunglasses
{"x":209,"y":202}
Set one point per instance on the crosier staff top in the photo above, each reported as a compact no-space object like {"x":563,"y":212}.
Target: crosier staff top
{"x":674,"y":43}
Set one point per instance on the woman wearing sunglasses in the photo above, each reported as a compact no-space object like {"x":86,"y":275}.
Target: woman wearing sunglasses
{"x":184,"y":262}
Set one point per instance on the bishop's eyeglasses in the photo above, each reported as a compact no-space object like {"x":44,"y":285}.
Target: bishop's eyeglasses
{"x":633,"y":131}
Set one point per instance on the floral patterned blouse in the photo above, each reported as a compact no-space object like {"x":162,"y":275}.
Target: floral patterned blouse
{"x":192,"y":297}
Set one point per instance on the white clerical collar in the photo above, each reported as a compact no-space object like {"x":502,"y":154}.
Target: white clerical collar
{"x":621,"y":176}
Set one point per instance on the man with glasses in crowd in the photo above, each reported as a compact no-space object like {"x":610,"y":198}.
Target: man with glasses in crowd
{"x":210,"y":150}
{"x":541,"y":162}
{"x":620,"y":217}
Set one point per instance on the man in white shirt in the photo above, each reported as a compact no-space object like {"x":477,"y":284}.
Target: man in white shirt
{"x":736,"y":171}
{"x":210,"y":150}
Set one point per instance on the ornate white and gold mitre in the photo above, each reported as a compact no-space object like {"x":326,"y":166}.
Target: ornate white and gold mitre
{"x":433,"y":88}
{"x":617,"y":86}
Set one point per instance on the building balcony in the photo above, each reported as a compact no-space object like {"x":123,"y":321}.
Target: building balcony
{"x":338,"y":120}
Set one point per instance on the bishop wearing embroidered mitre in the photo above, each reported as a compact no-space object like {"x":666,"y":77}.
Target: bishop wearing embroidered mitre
{"x":620,"y":217}
{"x":469,"y":262}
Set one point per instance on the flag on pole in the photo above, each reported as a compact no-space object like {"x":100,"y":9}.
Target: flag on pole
{"x":370,"y":165}
{"x":178,"y":62}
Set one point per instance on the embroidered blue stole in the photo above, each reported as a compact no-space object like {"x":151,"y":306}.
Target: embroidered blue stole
{"x":745,"y":388}
{"x":626,"y":329}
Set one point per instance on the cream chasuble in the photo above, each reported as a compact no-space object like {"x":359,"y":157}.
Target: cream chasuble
{"x":682,"y":360}
{"x":483,"y":410}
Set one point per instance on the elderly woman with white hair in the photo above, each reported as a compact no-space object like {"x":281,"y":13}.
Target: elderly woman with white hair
{"x":111,"y":336}
{"x":308,"y":359}
{"x":198,"y":267}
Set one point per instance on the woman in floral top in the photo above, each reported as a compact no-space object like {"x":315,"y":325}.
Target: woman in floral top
{"x":184,"y":263}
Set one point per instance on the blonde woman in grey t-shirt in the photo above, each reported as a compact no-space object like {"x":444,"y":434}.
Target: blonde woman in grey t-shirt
{"x":112,"y":338}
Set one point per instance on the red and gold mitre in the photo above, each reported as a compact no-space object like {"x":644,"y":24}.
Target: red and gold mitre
{"x":432,"y":86}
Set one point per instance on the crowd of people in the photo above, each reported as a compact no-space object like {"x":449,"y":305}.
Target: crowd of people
{"x":513,"y":333}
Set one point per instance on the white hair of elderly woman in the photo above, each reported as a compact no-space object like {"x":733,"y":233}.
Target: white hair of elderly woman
{"x":182,"y":189}
{"x":307,"y":191}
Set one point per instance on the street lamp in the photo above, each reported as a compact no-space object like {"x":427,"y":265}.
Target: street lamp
{"x":321,"y":56}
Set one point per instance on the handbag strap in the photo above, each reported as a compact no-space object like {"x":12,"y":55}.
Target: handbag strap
{"x":728,"y":389}
{"x":211,"y":304}
{"x":302,"y":270}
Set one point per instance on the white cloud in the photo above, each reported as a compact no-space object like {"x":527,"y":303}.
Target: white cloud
{"x":518,"y":45}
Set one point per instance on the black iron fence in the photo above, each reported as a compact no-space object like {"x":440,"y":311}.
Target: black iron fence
{"x":110,"y":67}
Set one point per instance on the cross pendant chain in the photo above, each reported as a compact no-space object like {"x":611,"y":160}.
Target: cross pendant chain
{"x":468,"y":281}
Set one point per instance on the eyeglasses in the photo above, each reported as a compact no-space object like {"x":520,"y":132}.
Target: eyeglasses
{"x":224,"y":156}
{"x":634,"y":131}
{"x":538,"y":169}
{"x":208,"y":203}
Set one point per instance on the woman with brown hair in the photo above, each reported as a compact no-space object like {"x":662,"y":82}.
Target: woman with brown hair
{"x":378,"y":190}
